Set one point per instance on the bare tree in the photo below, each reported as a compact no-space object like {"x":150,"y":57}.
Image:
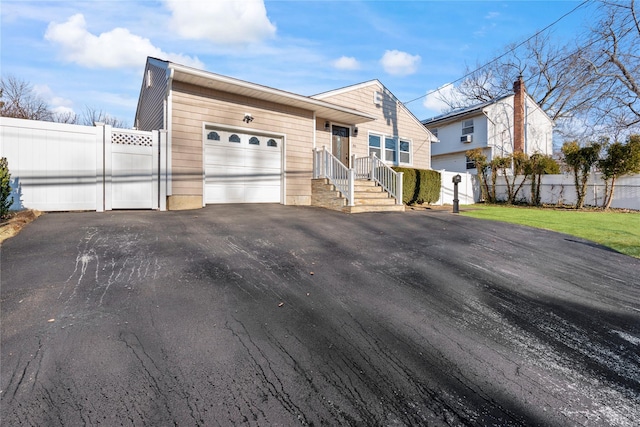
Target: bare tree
{"x":614,"y":58}
{"x":554,"y":77}
{"x":68,"y":117}
{"x":92,"y":115}
{"x":594,"y":81}
{"x":20,"y":100}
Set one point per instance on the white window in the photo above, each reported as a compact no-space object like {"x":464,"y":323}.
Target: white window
{"x":390,"y":149}
{"x":374,"y":145}
{"x":470,"y":163}
{"x":405,"y":151}
{"x":467,"y":127}
{"x":394,"y":150}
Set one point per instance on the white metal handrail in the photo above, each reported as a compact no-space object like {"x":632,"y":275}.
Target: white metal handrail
{"x":326,"y":165}
{"x":378,"y":171}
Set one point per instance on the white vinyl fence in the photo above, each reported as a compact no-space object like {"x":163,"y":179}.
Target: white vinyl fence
{"x":555,"y":190}
{"x":62,"y":167}
{"x":468,"y":189}
{"x":561,"y":190}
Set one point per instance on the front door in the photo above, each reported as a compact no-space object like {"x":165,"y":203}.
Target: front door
{"x":340,"y":144}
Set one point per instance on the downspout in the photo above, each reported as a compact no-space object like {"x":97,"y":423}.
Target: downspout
{"x":314,"y":130}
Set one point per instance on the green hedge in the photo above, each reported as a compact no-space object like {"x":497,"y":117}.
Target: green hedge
{"x":420,"y":185}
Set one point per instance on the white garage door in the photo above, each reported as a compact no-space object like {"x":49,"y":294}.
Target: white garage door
{"x":242,"y":168}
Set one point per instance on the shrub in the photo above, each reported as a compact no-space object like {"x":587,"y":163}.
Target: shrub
{"x":420,"y":185}
{"x":5,"y":188}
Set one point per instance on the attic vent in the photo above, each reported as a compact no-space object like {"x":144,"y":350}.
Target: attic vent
{"x":377,"y":98}
{"x":148,"y":78}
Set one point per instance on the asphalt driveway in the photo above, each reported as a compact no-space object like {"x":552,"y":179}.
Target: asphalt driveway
{"x":274,"y":315}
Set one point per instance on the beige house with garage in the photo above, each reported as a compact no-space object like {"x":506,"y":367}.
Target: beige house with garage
{"x":232,"y":141}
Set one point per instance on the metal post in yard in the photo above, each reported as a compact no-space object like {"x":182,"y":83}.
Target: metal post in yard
{"x":456,"y":180}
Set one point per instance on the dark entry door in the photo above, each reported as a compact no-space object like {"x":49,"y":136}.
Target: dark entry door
{"x":340,"y":144}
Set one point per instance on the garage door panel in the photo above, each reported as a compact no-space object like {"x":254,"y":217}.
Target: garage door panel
{"x":225,"y":193}
{"x":243,"y":172}
{"x":262,"y":193}
{"x":224,"y":156}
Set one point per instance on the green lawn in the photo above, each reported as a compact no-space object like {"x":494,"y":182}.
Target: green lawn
{"x":616,"y":230}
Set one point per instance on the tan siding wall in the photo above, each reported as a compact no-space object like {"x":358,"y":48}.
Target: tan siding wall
{"x":192,"y":106}
{"x":392,"y":119}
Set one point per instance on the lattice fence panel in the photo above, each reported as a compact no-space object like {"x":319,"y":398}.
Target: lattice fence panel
{"x":125,"y":138}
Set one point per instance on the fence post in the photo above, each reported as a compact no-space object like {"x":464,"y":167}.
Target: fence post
{"x":162,"y":172}
{"x":399,"y":188}
{"x":108,"y":169}
{"x":155,"y":169}
{"x":373,"y":167}
{"x":352,"y":178}
{"x":100,"y":164}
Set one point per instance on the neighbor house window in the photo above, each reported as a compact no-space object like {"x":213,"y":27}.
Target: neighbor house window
{"x":470,"y":163}
{"x":374,"y":145}
{"x":405,"y":151}
{"x":390,"y":149}
{"x":434,"y":131}
{"x":467,"y":127}
{"x":234,"y":138}
{"x":254,"y":141}
{"x":213,"y":136}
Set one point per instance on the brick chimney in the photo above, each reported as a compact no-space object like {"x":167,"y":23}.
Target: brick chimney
{"x":518,"y":115}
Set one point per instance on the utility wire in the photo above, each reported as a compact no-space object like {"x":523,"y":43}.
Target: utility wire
{"x":503,"y":55}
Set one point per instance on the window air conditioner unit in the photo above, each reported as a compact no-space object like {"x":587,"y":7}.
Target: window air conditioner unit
{"x":466,"y":139}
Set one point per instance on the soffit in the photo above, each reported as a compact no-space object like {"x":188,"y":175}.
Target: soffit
{"x":322,"y":109}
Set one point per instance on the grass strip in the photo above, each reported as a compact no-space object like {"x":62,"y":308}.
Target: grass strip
{"x":617,"y":230}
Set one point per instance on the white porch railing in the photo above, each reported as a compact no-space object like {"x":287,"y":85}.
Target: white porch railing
{"x":376,"y":170}
{"x":326,"y":165}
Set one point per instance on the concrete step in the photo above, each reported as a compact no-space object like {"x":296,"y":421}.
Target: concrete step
{"x":373,"y":208}
{"x":386,"y":201}
{"x":371,"y":195}
{"x":368,"y":188}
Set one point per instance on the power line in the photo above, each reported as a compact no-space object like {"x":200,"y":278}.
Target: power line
{"x":503,"y":55}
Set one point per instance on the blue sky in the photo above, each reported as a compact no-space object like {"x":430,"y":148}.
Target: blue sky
{"x":79,"y":54}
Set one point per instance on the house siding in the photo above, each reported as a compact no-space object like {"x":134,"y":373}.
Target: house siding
{"x":495,"y":134}
{"x":150,"y":114}
{"x":392,"y":120}
{"x":193,"y":106}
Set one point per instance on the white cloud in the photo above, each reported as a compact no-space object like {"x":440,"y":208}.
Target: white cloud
{"x":346,"y":63}
{"x":433,"y":101}
{"x":113,"y":49}
{"x":492,"y":15}
{"x":221,"y":21}
{"x":57,"y":103}
{"x":399,"y":63}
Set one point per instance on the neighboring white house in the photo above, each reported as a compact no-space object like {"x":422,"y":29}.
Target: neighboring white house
{"x":510,"y":123}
